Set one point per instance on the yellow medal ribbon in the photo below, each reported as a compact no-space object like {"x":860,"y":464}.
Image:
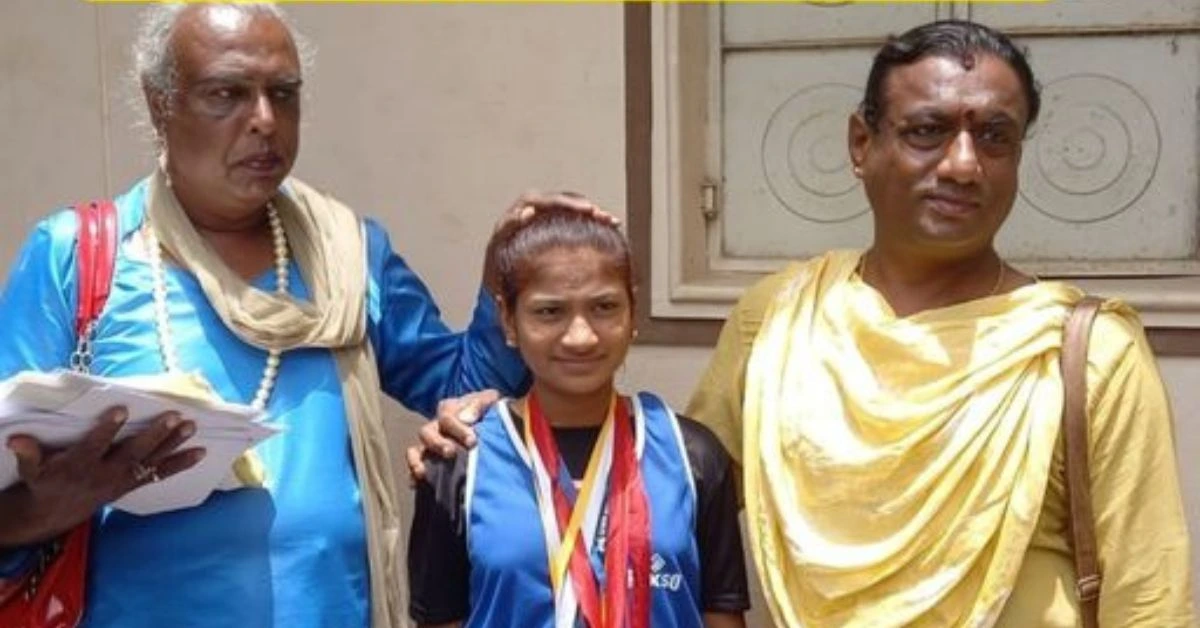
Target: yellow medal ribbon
{"x":560,"y":557}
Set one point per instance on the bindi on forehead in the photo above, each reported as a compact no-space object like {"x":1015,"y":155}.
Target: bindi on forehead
{"x":983,"y":88}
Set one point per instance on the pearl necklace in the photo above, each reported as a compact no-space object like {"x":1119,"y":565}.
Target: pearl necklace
{"x":162,"y":323}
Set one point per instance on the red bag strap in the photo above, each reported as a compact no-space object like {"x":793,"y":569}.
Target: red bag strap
{"x":51,"y":594}
{"x":96,"y":254}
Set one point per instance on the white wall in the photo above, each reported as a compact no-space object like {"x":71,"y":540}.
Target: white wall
{"x":429,"y":117}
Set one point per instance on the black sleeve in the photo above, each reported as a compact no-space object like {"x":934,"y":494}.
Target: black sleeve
{"x":723,"y":585}
{"x":438,"y":568}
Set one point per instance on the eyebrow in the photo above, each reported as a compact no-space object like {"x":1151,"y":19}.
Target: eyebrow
{"x":991,"y":116}
{"x":546,"y":298}
{"x":926,"y":112}
{"x":999,"y":117}
{"x":241,"y":77}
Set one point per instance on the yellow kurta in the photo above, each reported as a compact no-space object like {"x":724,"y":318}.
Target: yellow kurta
{"x":905,"y":471}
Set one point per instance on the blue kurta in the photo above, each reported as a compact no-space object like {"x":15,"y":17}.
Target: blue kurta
{"x":292,"y":555}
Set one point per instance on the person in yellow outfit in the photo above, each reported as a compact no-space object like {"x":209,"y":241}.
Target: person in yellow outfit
{"x":897,"y":411}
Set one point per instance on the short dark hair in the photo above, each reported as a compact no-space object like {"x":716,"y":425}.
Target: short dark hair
{"x":510,"y":253}
{"x":955,"y":39}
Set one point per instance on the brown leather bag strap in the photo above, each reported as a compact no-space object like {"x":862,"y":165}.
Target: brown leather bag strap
{"x":1075,"y":439}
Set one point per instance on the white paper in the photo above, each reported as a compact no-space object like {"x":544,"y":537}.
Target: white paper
{"x":59,"y":408}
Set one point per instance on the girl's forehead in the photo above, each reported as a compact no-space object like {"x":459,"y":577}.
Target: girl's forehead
{"x":583,"y":258}
{"x":568,"y":252}
{"x":573,"y":267}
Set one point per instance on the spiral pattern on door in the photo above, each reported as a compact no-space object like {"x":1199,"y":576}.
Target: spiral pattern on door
{"x":1095,"y":151}
{"x":804,"y":157}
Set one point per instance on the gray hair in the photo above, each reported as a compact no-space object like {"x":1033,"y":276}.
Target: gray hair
{"x":154,"y":63}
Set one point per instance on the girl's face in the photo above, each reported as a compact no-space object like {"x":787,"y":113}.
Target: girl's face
{"x":572,"y":321}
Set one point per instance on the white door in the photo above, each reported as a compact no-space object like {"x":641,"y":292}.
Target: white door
{"x":1109,"y":175}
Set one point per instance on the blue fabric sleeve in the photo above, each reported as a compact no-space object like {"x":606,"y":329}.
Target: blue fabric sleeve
{"x":38,"y":302}
{"x":37,"y":307}
{"x":421,"y":360}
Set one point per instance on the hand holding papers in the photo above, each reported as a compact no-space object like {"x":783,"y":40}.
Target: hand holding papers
{"x":59,"y":408}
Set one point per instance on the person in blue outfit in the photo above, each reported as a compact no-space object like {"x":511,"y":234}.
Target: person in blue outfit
{"x":574,"y":482}
{"x":234,"y":281}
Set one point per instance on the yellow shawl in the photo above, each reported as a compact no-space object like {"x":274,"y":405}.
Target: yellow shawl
{"x":895,"y":468}
{"x":330,"y":248}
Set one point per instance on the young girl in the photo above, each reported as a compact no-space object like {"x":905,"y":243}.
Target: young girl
{"x":574,"y":482}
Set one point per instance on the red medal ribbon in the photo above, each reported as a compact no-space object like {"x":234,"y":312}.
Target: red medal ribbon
{"x":628,"y":534}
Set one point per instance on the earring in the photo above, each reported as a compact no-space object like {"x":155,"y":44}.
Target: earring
{"x":512,"y":342}
{"x":858,"y":171}
{"x":162,"y":165}
{"x":634,"y":334}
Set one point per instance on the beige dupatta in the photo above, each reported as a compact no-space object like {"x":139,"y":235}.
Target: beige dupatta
{"x":329,"y":245}
{"x":895,"y":468}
